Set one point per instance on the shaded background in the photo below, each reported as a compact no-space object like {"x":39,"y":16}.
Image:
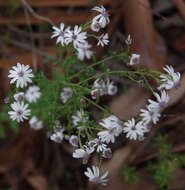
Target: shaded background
{"x":27,"y":159}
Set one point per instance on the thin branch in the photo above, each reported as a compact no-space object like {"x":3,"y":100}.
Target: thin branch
{"x":26,"y":34}
{"x":27,"y":47}
{"x":25,"y":3}
{"x":34,"y":57}
{"x":158,"y":14}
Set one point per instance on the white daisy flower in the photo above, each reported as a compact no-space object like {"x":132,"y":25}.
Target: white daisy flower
{"x":133,"y":130}
{"x":80,"y":119}
{"x":76,"y":36}
{"x":84,"y":52}
{"x":59,"y":33}
{"x":150,"y":115}
{"x":107,"y":153}
{"x":113,"y":121}
{"x":95,"y":93}
{"x":169,"y":69}
{"x":35,"y":123}
{"x":135,"y":59}
{"x":162,"y":101}
{"x":171,"y":81}
{"x":94,"y":176}
{"x":99,"y":88}
{"x":128,"y":41}
{"x":20,"y":111}
{"x":108,"y":135}
{"x":33,"y":93}
{"x":103,"y":40}
{"x":19,"y":97}
{"x":95,"y":26}
{"x":83,"y":153}
{"x":57,"y":136}
{"x":114,"y":128}
{"x":111,"y":88}
{"x":21,"y":74}
{"x":73,"y":140}
{"x":66,"y":94}
{"x":98,"y":144}
{"x":146,"y":129}
{"x":102,"y":18}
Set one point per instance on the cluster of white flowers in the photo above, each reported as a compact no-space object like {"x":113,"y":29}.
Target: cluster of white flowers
{"x":22,"y":75}
{"x":102,"y":19}
{"x":101,"y":88}
{"x":148,"y":116}
{"x":78,"y":37}
{"x":108,"y":128}
{"x":84,"y":154}
{"x":134,"y":130}
{"x":113,"y":126}
{"x":65,"y":36}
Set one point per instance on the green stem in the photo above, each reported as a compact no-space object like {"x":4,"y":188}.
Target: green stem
{"x":79,"y":138}
{"x":87,"y":133}
{"x":76,"y":85}
{"x":148,"y":85}
{"x":94,"y":64}
{"x":101,"y":74}
{"x":100,"y":161}
{"x":96,"y":105}
{"x":92,"y":35}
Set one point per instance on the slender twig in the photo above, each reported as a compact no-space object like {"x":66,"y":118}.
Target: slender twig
{"x":34,"y":57}
{"x":35,"y":14}
{"x":95,"y":64}
{"x":26,"y":34}
{"x":96,"y":105}
{"x":158,"y":14}
{"x":27,"y":47}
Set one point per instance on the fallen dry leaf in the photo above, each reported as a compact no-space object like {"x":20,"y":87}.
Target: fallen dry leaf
{"x":114,"y":166}
{"x":146,"y":40}
{"x":128,"y":105}
{"x":38,"y":182}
